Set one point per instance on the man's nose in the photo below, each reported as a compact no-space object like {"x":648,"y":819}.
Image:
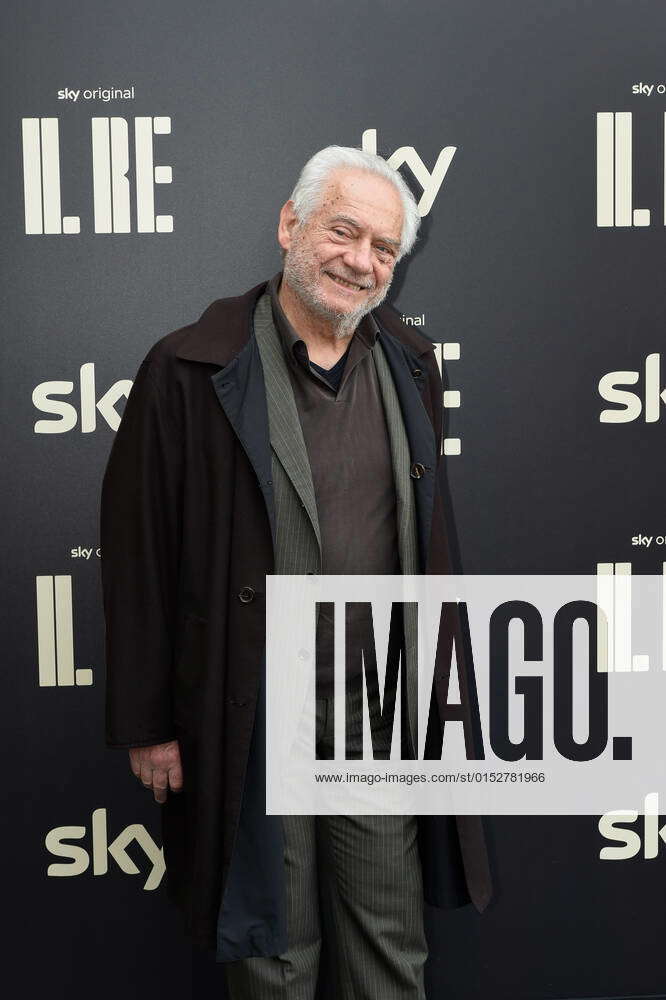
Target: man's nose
{"x":359,"y":257}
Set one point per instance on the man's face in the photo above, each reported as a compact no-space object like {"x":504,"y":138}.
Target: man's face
{"x":340,"y":261}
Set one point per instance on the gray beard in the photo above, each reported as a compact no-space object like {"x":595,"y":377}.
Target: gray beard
{"x":295,"y":273}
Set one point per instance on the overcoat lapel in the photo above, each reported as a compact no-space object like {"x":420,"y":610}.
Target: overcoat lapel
{"x":401,"y":462}
{"x":240,"y":389}
{"x":422,"y":445}
{"x":223,"y":337}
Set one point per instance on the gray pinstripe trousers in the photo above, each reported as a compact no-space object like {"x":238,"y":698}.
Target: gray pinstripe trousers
{"x":366,"y":872}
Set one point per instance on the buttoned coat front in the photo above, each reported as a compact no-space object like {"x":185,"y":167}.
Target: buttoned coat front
{"x":187,"y":540}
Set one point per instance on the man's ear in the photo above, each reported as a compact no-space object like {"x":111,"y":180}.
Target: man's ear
{"x":286,"y":225}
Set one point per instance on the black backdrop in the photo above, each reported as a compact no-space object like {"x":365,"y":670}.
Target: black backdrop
{"x":512,"y":266}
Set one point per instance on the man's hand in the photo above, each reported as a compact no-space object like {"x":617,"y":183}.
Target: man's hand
{"x":158,"y":767}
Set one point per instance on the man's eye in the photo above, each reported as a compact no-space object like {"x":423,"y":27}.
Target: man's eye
{"x":339,"y":232}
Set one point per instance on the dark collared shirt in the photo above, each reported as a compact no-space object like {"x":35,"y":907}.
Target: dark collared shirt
{"x":349,"y":450}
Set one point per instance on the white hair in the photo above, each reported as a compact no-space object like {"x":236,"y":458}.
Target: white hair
{"x":309,"y":188}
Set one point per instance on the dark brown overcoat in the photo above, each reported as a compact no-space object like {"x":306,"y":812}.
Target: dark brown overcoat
{"x":187,"y":527}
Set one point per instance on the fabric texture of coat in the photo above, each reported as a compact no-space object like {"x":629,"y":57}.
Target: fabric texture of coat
{"x":187,"y":539}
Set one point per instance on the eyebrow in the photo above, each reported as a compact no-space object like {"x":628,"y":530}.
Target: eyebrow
{"x":353,"y":222}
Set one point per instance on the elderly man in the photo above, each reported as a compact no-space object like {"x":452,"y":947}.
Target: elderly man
{"x":294,"y":429}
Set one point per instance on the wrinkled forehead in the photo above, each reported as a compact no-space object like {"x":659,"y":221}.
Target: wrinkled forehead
{"x":367,"y":198}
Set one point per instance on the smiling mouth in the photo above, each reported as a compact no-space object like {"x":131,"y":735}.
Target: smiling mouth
{"x":351,"y":285}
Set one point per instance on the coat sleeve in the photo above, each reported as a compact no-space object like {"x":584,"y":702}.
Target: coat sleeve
{"x":140,"y":519}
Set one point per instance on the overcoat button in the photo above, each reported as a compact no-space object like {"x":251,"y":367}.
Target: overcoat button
{"x":417,"y":373}
{"x":246,"y":595}
{"x":417,"y":471}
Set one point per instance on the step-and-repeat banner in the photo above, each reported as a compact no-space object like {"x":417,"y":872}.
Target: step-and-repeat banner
{"x":148,"y":148}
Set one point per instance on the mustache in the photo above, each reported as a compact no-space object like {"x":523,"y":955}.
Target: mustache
{"x":353,"y":278}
